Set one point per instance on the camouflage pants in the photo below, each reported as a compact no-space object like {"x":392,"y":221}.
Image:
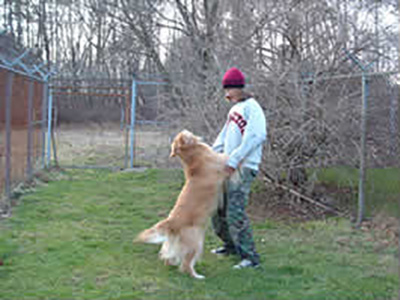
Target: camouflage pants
{"x":230,"y":222}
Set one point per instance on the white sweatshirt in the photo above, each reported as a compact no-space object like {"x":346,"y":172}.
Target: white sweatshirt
{"x":243,"y":135}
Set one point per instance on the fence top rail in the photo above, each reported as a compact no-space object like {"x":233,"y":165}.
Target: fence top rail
{"x":117,"y":80}
{"x":150,"y":82}
{"x":123,"y":88}
{"x":91,"y":79}
{"x":318,"y":78}
{"x":91,"y":94}
{"x":344,"y":76}
{"x":19,"y":72}
{"x":19,"y":67}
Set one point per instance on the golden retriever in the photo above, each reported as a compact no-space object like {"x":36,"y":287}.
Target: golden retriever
{"x":182,"y":232}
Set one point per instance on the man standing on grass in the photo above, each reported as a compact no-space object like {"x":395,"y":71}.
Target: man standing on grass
{"x":242,"y":140}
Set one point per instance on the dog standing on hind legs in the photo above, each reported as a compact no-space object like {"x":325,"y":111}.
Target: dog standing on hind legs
{"x":182,"y":232}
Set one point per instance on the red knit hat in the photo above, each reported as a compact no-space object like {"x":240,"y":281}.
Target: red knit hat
{"x":233,"y":78}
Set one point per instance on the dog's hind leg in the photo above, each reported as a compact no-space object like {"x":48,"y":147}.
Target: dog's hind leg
{"x":188,"y":263}
{"x":168,"y":252}
{"x":168,"y":256}
{"x":192,"y":240}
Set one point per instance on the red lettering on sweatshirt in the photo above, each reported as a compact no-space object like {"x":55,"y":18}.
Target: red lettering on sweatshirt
{"x":239,"y":120}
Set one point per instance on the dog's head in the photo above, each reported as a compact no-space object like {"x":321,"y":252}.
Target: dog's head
{"x":183,"y":141}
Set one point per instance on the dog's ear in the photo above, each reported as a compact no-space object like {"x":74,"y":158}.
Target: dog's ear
{"x":183,"y":139}
{"x":187,"y":138}
{"x":176,"y":145}
{"x":173,"y":150}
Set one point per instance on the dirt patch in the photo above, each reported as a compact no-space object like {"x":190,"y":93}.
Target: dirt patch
{"x":383,"y":231}
{"x":108,"y":145}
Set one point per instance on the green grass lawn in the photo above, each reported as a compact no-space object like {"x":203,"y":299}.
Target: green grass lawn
{"x":72,"y":239}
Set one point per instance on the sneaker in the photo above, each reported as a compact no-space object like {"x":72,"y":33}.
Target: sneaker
{"x":223,"y":251}
{"x":245,"y":263}
{"x":220,"y":251}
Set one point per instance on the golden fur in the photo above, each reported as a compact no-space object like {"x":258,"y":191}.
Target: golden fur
{"x":182,"y":232}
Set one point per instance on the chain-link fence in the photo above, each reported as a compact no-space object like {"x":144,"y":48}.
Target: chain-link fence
{"x":156,"y":123}
{"x":382,"y":175}
{"x":22,"y":123}
{"x":89,"y":122}
{"x":333,"y":141}
{"x":94,"y":127}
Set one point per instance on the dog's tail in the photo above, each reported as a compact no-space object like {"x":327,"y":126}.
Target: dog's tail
{"x":155,"y":235}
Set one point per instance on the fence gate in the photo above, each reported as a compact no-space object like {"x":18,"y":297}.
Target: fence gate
{"x":91,"y":125}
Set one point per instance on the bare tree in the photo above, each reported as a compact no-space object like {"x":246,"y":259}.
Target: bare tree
{"x":287,"y":50}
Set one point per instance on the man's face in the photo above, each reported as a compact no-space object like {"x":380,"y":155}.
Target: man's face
{"x":233,"y":94}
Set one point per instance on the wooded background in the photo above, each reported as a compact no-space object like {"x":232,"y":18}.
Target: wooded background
{"x":291,"y":52}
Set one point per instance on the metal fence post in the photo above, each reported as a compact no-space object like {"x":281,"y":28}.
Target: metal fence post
{"x":363,"y":140}
{"x":132,"y":126}
{"x":9,"y":86}
{"x":125,"y":128}
{"x":362,"y":175}
{"x":30,"y":127}
{"x":44,"y":123}
{"x":49,"y":117}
